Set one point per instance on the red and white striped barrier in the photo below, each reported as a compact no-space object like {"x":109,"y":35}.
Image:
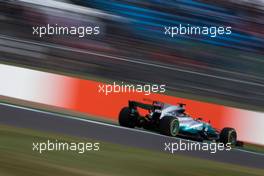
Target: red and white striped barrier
{"x":83,"y":96}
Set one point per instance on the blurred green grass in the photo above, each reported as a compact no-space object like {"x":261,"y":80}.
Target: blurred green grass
{"x":17,"y":158}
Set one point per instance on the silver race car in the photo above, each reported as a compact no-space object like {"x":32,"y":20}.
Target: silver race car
{"x":171,"y":120}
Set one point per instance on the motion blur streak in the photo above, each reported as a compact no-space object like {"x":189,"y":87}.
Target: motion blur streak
{"x":83,"y":96}
{"x":245,"y":121}
{"x":36,"y":86}
{"x":134,"y":31}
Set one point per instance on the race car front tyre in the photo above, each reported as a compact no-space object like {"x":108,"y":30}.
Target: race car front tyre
{"x":169,"y":126}
{"x":228,"y":135}
{"x":127,"y":119}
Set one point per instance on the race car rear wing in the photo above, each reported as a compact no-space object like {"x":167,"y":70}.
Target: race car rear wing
{"x":135,"y":104}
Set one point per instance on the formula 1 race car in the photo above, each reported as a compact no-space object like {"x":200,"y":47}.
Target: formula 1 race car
{"x":171,"y":120}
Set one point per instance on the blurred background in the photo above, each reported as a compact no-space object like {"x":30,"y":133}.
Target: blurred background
{"x":132,"y":46}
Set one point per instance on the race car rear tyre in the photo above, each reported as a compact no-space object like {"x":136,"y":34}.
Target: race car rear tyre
{"x":169,"y":126}
{"x":228,"y":135}
{"x":127,"y":119}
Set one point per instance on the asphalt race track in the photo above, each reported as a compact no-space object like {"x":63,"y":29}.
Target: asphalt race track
{"x":68,"y":125}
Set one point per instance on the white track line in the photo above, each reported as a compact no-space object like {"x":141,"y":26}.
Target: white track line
{"x":82,"y":119}
{"x":111,"y":125}
{"x":247,"y":151}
